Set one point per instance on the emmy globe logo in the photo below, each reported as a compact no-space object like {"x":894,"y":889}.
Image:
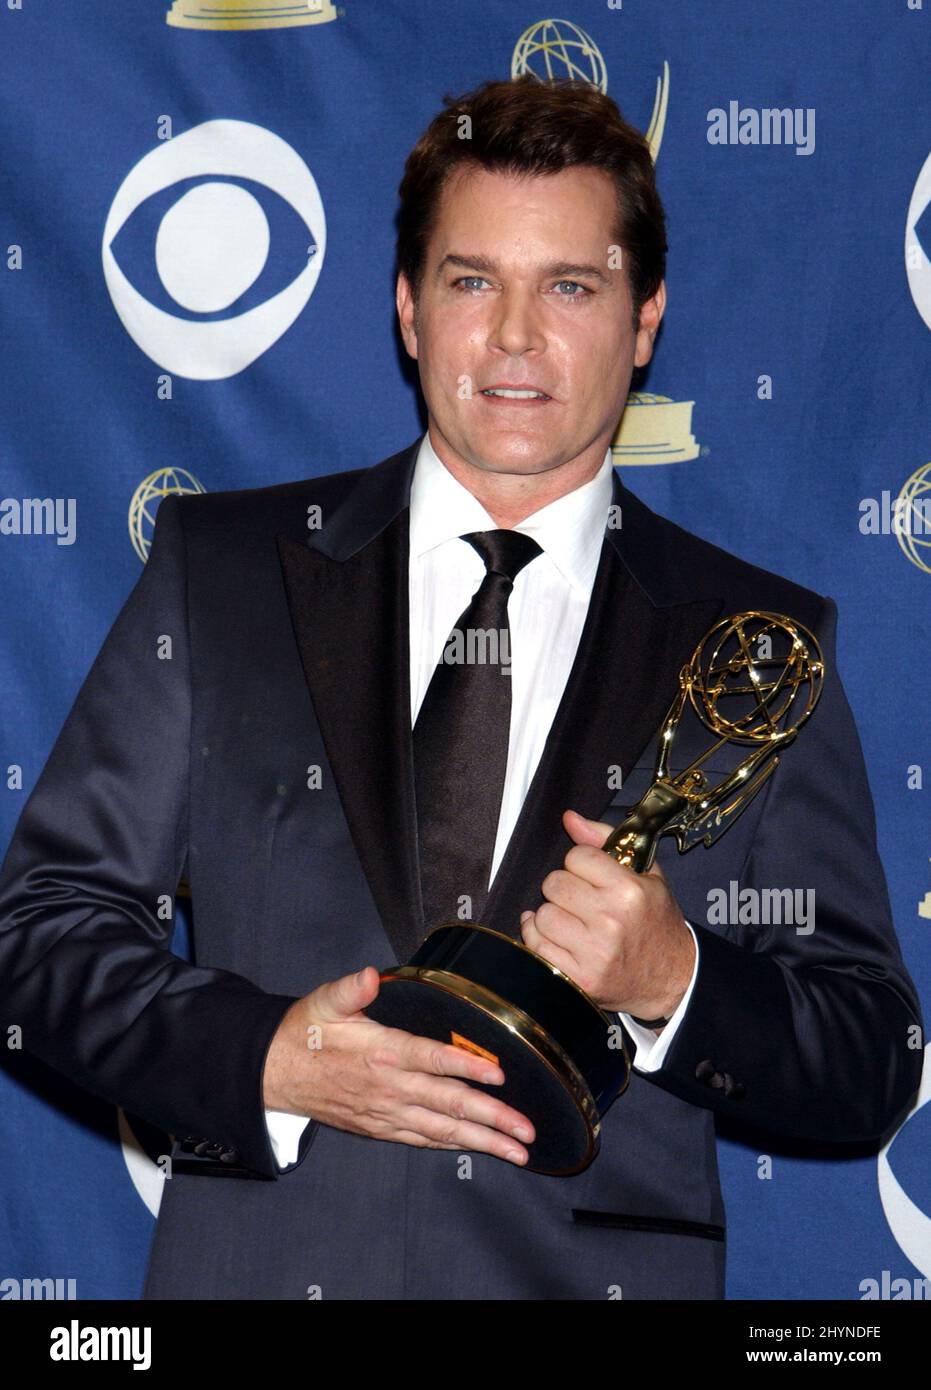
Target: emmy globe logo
{"x":162,"y":483}
{"x":561,"y":49}
{"x":557,"y":48}
{"x":653,"y":429}
{"x":911,"y":506}
{"x":212,"y":246}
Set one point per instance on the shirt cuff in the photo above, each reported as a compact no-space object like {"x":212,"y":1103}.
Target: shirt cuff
{"x":652,"y":1049}
{"x":284,"y":1131}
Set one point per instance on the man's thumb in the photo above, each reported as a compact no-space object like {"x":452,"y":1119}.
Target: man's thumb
{"x":586,"y":832}
{"x":346,"y":996}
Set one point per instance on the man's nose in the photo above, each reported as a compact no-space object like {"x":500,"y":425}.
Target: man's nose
{"x":516,"y":325}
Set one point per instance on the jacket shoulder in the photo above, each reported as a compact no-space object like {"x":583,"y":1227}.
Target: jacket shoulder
{"x":261,"y":512}
{"x":252,"y":516}
{"x":675,"y":563}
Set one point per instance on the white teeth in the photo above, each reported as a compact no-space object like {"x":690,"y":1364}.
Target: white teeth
{"x":514,"y":395}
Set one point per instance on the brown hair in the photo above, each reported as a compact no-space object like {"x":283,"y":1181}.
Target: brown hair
{"x":529,"y":126}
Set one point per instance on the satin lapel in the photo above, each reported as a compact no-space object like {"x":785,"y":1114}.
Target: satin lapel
{"x":350,"y":618}
{"x":621,"y":684}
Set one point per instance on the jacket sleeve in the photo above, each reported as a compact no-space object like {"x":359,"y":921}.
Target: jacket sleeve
{"x":816,"y":1032}
{"x":86,"y":900}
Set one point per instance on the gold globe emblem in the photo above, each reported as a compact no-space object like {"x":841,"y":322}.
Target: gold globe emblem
{"x":755,"y":678}
{"x":559,"y":46}
{"x":144,"y":504}
{"x":912,"y":516}
{"x":553,"y":48}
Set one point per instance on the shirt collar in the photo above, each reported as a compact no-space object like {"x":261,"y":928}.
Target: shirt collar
{"x":570,"y":530}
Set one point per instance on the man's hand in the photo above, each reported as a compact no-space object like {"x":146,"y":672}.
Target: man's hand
{"x":621,"y":936}
{"x":329,"y":1061}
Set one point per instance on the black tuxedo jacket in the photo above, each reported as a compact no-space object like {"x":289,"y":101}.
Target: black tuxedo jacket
{"x":253,"y":650}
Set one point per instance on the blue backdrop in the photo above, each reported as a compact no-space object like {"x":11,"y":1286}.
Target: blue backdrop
{"x":191,"y":303}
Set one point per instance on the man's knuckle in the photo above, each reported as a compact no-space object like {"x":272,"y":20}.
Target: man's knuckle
{"x":457,"y":1105}
{"x":603,"y":943}
{"x":545,"y":914}
{"x":436,"y":1057}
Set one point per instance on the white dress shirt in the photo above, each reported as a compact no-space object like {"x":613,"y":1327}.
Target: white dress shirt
{"x":546,"y":613}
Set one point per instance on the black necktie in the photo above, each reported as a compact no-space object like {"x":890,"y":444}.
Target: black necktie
{"x":461,"y":737}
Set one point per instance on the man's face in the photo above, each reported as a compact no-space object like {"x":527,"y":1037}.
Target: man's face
{"x":522,"y":289}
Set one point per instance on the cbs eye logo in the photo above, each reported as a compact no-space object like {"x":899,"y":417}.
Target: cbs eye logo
{"x":205,"y":252}
{"x":917,"y":262}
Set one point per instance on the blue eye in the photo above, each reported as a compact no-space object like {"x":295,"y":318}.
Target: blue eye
{"x":464,"y":280}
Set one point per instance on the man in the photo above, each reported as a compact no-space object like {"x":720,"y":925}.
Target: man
{"x":250,"y":719}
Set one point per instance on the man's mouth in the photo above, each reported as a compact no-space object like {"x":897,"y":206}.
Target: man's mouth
{"x":509,"y":393}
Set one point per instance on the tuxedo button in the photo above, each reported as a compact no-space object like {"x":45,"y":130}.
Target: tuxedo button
{"x":201,"y":1147}
{"x":719,"y":1080}
{"x":229,"y":1156}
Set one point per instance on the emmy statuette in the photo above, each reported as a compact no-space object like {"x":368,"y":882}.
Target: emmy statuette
{"x":753,"y":680}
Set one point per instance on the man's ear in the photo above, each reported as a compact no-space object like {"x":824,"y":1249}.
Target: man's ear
{"x":407,"y":314}
{"x":650,"y":315}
